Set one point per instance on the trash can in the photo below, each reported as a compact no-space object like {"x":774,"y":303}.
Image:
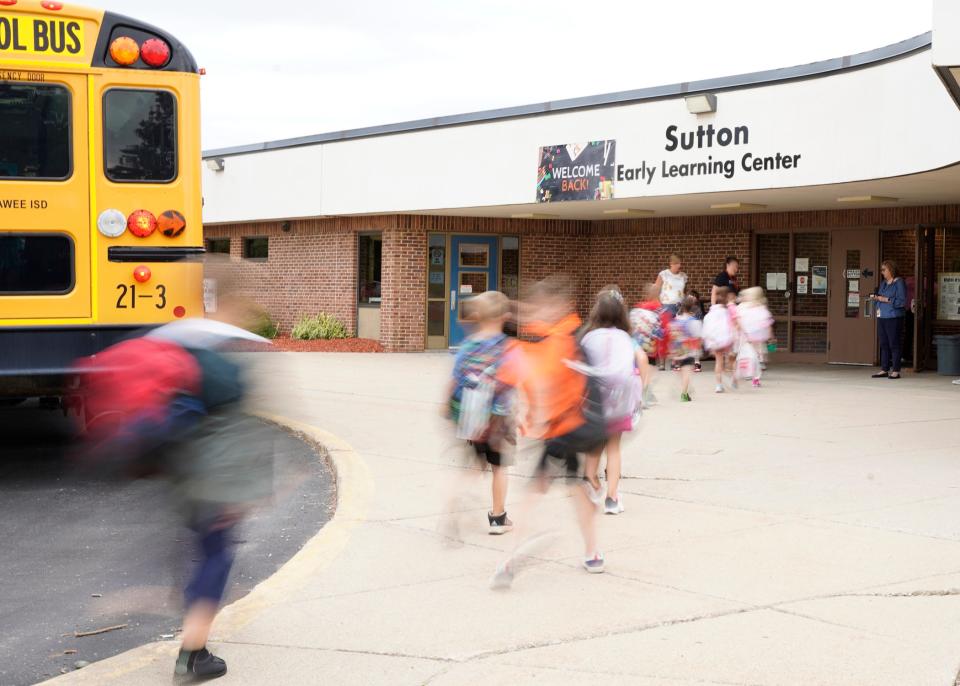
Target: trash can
{"x":948,"y":354}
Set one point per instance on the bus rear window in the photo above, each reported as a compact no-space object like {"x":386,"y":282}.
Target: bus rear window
{"x":140,"y":135}
{"x":35,"y":263}
{"x":34,"y":131}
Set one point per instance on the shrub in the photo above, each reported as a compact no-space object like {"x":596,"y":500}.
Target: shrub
{"x":262,"y":324}
{"x":323,"y":326}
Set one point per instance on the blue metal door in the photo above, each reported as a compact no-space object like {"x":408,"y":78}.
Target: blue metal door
{"x":474,"y":269}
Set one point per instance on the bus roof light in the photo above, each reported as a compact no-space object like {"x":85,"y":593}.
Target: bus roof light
{"x":142,"y":223}
{"x":124,"y":51}
{"x":171,"y":223}
{"x":8,"y":3}
{"x":112,"y":223}
{"x":51,"y":5}
{"x":155,"y":52}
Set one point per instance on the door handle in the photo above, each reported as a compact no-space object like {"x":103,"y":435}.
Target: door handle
{"x":453,"y":299}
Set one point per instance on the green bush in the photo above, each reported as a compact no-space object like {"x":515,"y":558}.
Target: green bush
{"x":323,"y":326}
{"x":263,"y":325}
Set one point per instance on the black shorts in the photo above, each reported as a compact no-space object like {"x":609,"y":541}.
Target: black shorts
{"x":486,"y":452}
{"x":686,"y":361}
{"x":564,"y":451}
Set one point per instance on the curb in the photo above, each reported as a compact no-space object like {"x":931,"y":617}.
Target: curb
{"x":354,"y":492}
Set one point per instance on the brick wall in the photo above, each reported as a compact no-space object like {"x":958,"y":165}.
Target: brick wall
{"x":313,"y":267}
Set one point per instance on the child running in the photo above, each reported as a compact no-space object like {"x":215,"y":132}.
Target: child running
{"x":719,"y":335}
{"x":615,"y":360}
{"x":561,"y":411}
{"x":649,"y":322}
{"x":686,"y":345}
{"x":756,"y":323}
{"x":481,"y":401}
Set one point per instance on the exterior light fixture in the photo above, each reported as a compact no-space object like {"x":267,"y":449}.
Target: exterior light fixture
{"x":701,"y":104}
{"x":630,"y":212}
{"x":215,"y":164}
{"x":534,"y":215}
{"x":738,"y":206}
{"x":867,"y":198}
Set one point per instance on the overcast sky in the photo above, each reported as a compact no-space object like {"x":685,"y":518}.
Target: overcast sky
{"x":277,"y":69}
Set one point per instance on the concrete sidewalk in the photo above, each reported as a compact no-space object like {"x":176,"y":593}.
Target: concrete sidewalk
{"x":804,"y":533}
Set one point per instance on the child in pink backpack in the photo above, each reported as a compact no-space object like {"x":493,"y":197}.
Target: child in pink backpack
{"x":756,"y":322}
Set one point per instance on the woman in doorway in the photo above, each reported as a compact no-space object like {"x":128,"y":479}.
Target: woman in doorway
{"x":672,"y":285}
{"x":891,"y":299}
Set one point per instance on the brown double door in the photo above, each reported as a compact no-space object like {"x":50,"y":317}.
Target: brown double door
{"x":853,"y":277}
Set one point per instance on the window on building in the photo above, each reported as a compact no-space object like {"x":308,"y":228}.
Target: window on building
{"x":140,"y":135}
{"x":35,"y":263}
{"x":218,"y":245}
{"x":369,"y":255}
{"x":34,"y":131}
{"x":256,"y":248}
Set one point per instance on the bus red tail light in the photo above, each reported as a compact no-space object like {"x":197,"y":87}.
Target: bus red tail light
{"x":141,"y":223}
{"x":155,"y":53}
{"x":142,"y":274}
{"x":124,"y":51}
{"x":171,"y":223}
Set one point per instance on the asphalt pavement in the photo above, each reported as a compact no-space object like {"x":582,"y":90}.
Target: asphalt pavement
{"x":84,"y":553}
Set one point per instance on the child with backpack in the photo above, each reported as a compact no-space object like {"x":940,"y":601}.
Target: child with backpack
{"x":756,"y":323}
{"x":685,"y":344}
{"x":480,"y":402}
{"x":563,"y":410}
{"x":649,"y":324}
{"x":615,"y":360}
{"x":720,"y":335}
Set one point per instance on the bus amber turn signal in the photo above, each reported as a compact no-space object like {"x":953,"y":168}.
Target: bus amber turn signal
{"x":142,"y":223}
{"x":171,"y":223}
{"x":124,"y":51}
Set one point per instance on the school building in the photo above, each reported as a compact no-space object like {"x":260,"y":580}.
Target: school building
{"x":810,"y":175}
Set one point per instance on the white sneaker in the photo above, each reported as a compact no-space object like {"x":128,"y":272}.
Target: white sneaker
{"x":956,"y":382}
{"x":719,"y":388}
{"x":594,"y":494}
{"x":613,"y":507}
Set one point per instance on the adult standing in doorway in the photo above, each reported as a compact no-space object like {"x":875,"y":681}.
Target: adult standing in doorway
{"x":672,"y":285}
{"x":891,"y":299}
{"x":726,"y":279}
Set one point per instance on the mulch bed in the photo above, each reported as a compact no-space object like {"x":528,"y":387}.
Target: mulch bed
{"x":287,"y":344}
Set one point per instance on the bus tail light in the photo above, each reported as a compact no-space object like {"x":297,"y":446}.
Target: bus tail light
{"x":142,"y":274}
{"x":111,"y":223}
{"x":141,"y":223}
{"x":155,"y":52}
{"x":124,"y":51}
{"x":171,"y":223}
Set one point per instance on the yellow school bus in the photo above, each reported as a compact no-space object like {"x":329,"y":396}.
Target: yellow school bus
{"x":100,"y":205}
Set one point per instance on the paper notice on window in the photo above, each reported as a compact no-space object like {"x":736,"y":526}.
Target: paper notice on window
{"x":802,"y":284}
{"x":853,"y":285}
{"x":818,"y":280}
{"x":801,"y":264}
{"x":781,"y":281}
{"x":771,"y":281}
{"x":853,"y":300}
{"x":210,"y":295}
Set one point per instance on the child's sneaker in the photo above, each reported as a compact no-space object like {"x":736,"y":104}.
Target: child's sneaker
{"x":685,"y":397}
{"x":499,"y":524}
{"x":756,"y":383}
{"x":594,"y":494}
{"x":697,"y":367}
{"x":613,"y":507}
{"x":594,"y":564}
{"x":502,"y":578}
{"x":719,"y":388}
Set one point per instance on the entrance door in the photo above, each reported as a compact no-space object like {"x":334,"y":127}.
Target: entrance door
{"x":853,"y":328}
{"x":474,"y":269}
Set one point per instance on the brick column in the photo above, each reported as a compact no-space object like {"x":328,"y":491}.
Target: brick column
{"x":404,"y":290}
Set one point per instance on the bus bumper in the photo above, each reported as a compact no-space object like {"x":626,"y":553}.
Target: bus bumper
{"x":39,"y":362}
